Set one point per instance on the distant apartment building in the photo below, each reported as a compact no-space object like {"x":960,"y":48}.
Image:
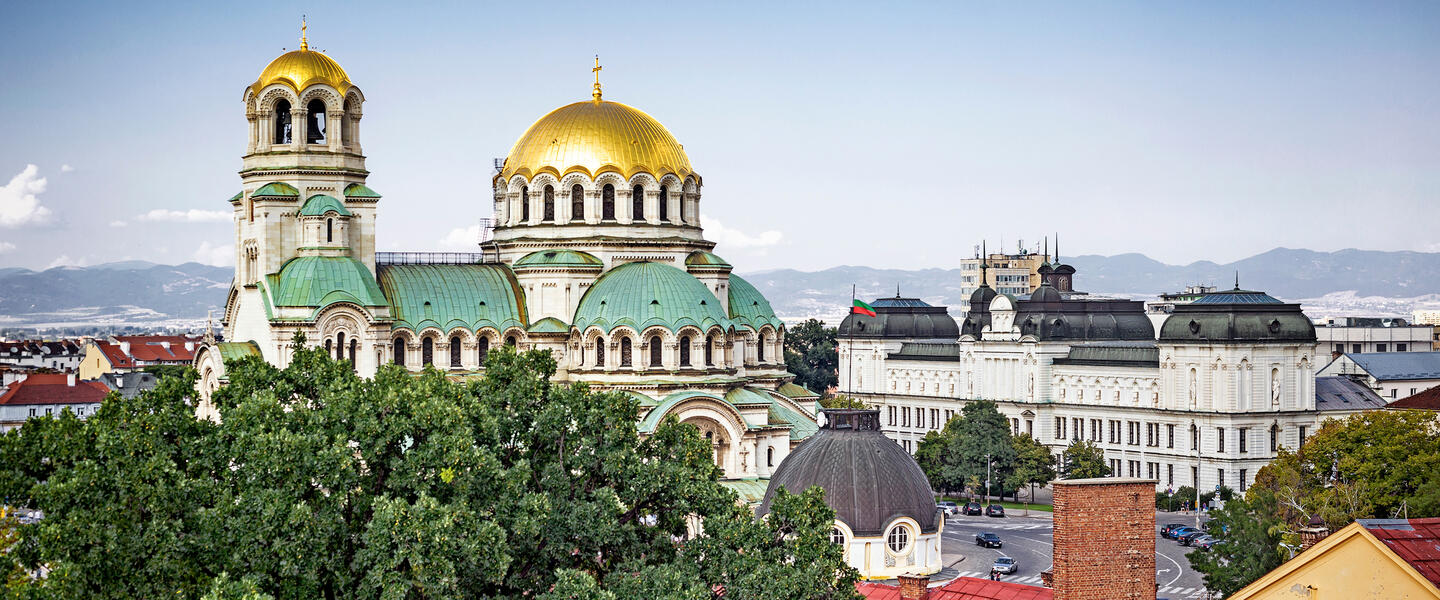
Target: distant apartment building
{"x":1356,"y":335}
{"x":1014,"y":274}
{"x":127,"y":353}
{"x":60,"y":355}
{"x":49,"y":394}
{"x":1392,"y":375}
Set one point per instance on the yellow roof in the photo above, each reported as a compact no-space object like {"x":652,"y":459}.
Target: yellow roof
{"x":594,"y":137}
{"x":300,"y":69}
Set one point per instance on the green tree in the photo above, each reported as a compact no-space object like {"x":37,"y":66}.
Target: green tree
{"x":811,"y":354}
{"x":1033,"y":464}
{"x":320,"y":484}
{"x":979,"y":433}
{"x":841,"y":401}
{"x":930,"y":455}
{"x":163,"y":371}
{"x":1250,"y":549}
{"x":1083,"y":460}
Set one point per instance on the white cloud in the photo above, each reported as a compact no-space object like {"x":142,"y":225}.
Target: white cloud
{"x":464,"y":238}
{"x":6,"y":247}
{"x":118,"y":223}
{"x":66,"y":168}
{"x":193,"y":215}
{"x":726,"y":237}
{"x":19,"y":199}
{"x":64,"y":260}
{"x":214,"y":254}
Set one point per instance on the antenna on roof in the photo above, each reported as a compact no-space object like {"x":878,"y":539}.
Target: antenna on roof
{"x":1237,"y":279}
{"x":897,"y":289}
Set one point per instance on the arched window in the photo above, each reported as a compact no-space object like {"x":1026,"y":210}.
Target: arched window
{"x":770,"y":456}
{"x":655,"y":352}
{"x":837,"y":536}
{"x":549,"y":214}
{"x":482,"y":350}
{"x":282,"y":122}
{"x":510,"y":341}
{"x":400,"y":351}
{"x":455,"y":351}
{"x":315,"y":122}
{"x":682,"y":208}
{"x":625,"y":348}
{"x":599,"y":351}
{"x":577,"y":203}
{"x":354,"y":345}
{"x":328,"y":347}
{"x":427,"y":351}
{"x":709,"y":351}
{"x":760,"y":349}
{"x":607,"y":203}
{"x":684,"y":350}
{"x":329,"y":230}
{"x":637,"y":196}
{"x":340,"y":346}
{"x":899,"y":539}
{"x":345,"y":124}
{"x":664,"y":205}
{"x":525,"y":204}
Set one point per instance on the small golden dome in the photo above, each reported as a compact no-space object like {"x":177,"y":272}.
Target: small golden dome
{"x":595,"y":137}
{"x":301,"y":68}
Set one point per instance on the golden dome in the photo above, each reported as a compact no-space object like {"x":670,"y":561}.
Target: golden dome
{"x":595,"y":137}
{"x":301,"y":68}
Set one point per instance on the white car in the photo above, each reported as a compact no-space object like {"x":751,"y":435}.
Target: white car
{"x":1005,"y":564}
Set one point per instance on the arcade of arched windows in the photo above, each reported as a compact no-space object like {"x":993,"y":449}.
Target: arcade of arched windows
{"x":457,"y":349}
{"x":318,"y":116}
{"x":656,"y":348}
{"x":577,"y":198}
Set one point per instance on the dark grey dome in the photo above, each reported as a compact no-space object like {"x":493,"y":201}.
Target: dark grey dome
{"x":1235,"y":316}
{"x":868,"y":479}
{"x":982,"y":297}
{"x":896,"y":318}
{"x":1046,"y":293}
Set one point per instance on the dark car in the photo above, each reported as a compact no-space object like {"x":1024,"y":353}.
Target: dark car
{"x":1169,"y":529}
{"x":988,"y":540}
{"x":994,"y":510}
{"x":1176,"y":533}
{"x":972,"y":508}
{"x":1189,"y":537}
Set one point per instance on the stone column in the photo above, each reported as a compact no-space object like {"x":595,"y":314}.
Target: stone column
{"x":298,"y":116}
{"x":652,"y":207}
{"x":253,"y":120}
{"x":355,"y":133}
{"x":332,"y":130}
{"x":266,"y":125}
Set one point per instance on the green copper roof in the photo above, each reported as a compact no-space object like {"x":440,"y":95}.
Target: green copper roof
{"x":743,"y":395}
{"x":237,"y":197}
{"x":319,"y":204}
{"x":801,"y":426}
{"x":236,"y":350}
{"x":447,"y":296}
{"x":643,"y":294}
{"x":749,"y":307}
{"x":791,"y":390}
{"x":320,"y":281}
{"x":549,"y":325}
{"x":359,"y":190}
{"x":701,"y":258}
{"x":652,"y":418}
{"x":559,"y":257}
{"x":752,"y":491}
{"x":276,"y":189}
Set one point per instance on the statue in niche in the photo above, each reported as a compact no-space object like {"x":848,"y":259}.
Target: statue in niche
{"x":1030,"y":391}
{"x":1193,"y":389}
{"x":1275,"y":387}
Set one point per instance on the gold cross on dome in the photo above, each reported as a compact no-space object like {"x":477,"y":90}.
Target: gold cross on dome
{"x":596,"y":70}
{"x":304,"y":43}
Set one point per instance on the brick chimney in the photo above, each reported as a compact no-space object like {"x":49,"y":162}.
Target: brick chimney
{"x":914,"y":587}
{"x":1105,"y":539}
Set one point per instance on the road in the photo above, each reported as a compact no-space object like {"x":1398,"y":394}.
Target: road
{"x":1029,"y":541}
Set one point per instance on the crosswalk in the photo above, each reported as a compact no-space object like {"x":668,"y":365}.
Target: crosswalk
{"x":1178,"y":592}
{"x":1016,"y":526}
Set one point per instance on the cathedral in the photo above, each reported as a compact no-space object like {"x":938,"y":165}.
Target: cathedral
{"x":597,"y":255}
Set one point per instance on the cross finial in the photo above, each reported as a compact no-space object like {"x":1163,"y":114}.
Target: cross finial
{"x":304,"y":44}
{"x":596,"y":70}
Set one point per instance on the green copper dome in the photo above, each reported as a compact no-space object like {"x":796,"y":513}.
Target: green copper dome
{"x":701,"y":258}
{"x":449,"y":296}
{"x":319,"y":204}
{"x":360,"y":190}
{"x":643,"y":294}
{"x":559,"y":257}
{"x":276,"y":189}
{"x":749,"y":307}
{"x":320,"y":281}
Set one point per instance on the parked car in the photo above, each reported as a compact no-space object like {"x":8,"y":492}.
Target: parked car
{"x":1204,"y":542}
{"x":949,"y":507}
{"x":1189,"y":537}
{"x":994,"y":510}
{"x":1168,"y":531}
{"x":1005,"y":564}
{"x":988,"y":540}
{"x":1176,"y":533}
{"x":973,"y":508}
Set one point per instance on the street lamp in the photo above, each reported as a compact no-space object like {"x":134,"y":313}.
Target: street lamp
{"x":988,"y":463}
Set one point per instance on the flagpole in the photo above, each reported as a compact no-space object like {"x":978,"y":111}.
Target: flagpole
{"x":850,"y":368}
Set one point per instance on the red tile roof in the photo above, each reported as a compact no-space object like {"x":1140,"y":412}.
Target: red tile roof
{"x":117,"y":359}
{"x":1428,"y":400}
{"x":962,"y":588}
{"x":151,"y":348}
{"x":53,"y":388}
{"x":1417,"y":541}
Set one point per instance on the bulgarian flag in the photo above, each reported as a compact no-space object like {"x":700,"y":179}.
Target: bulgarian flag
{"x":861,"y":308}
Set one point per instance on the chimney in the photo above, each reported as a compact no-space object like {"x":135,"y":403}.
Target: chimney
{"x":70,"y":380}
{"x":125,"y":348}
{"x":189,"y":346}
{"x":119,"y":381}
{"x":1104,"y":539}
{"x":165,"y":344}
{"x":914,"y":587}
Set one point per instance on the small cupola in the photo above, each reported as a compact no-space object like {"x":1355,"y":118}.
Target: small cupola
{"x":325,"y":225}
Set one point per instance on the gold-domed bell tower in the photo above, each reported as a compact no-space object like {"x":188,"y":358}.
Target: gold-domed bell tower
{"x":304,"y":141}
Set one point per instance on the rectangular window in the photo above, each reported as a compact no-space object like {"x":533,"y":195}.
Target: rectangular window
{"x":934,"y":418}
{"x":1242,"y":480}
{"x":1014,"y":426}
{"x":32,"y":412}
{"x":892,"y":416}
{"x":1274,"y":437}
{"x":949,"y":414}
{"x":1220,"y":440}
{"x":1302,"y":436}
{"x":1079,"y":428}
{"x":1195,"y":477}
{"x":1243,"y":434}
{"x":1339,"y":348}
{"x":1355,"y":348}
{"x":1170,"y":437}
{"x":1401,"y":347}
{"x":1220,"y":476}
{"x":1379,"y":347}
{"x":1171,"y":480}
{"x":1059,"y":428}
{"x":905,"y":416}
{"x":1393,"y":391}
{"x":1194,"y":437}
{"x":1094,"y":430}
{"x":1030,"y":427}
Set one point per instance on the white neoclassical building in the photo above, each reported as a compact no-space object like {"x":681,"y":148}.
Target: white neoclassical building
{"x":1208,"y":399}
{"x":597,"y":255}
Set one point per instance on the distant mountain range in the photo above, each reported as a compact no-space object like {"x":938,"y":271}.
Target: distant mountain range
{"x":146,"y":292}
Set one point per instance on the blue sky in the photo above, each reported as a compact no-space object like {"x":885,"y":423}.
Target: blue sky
{"x":888,"y":135}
